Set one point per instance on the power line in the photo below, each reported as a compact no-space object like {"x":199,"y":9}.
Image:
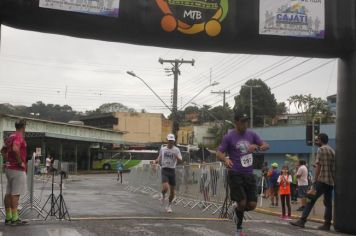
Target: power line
{"x":258,"y":73}
{"x":232,"y":68}
{"x":303,"y":74}
{"x":282,"y":72}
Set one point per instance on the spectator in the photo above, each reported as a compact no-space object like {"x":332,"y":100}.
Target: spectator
{"x":294,"y":186}
{"x":15,"y":155}
{"x":120,"y":169}
{"x":205,"y":181}
{"x":37,"y":165}
{"x":214,"y":180}
{"x":302,"y":177}
{"x":284,"y":181}
{"x":324,"y":182}
{"x":48,"y":164}
{"x":264,"y":174}
{"x":273,"y":185}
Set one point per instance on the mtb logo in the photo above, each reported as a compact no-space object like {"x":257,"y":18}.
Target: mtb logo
{"x":193,"y":16}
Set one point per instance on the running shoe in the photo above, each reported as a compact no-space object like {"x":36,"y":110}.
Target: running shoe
{"x":239,"y":232}
{"x":169,"y":209}
{"x":162,"y":199}
{"x":8,"y":222}
{"x":19,"y":222}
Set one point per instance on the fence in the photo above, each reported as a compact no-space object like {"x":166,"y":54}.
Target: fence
{"x":197,"y":186}
{"x":69,"y":168}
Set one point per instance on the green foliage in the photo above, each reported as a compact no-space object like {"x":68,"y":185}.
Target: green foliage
{"x":281,"y":108}
{"x":312,"y":107}
{"x":57,"y":112}
{"x":110,"y":108}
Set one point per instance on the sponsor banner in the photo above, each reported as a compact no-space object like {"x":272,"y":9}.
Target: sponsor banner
{"x":193,"y":16}
{"x":95,"y":7}
{"x":298,"y":18}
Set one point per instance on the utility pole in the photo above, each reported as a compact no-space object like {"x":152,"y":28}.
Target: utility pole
{"x":224,"y":96}
{"x":251,"y":103}
{"x":176,"y":72}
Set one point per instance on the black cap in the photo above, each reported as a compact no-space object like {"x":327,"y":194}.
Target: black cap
{"x":239,"y":116}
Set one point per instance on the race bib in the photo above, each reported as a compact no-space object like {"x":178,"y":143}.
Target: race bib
{"x":247,"y":160}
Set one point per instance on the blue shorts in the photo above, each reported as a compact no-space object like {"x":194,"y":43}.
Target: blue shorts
{"x":302,"y":191}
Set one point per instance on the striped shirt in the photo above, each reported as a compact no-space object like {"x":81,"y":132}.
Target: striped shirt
{"x":325,"y":157}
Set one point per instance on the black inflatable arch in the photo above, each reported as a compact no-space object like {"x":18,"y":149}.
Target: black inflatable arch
{"x":233,"y":30}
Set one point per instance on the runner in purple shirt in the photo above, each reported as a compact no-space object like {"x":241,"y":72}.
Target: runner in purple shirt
{"x":236,"y":152}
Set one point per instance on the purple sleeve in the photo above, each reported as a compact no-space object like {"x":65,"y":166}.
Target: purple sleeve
{"x":257,"y":140}
{"x":224,"y":144}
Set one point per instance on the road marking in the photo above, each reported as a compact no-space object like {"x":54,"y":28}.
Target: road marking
{"x":267,"y":232}
{"x":204,"y":231}
{"x":146,"y":218}
{"x":63,"y":232}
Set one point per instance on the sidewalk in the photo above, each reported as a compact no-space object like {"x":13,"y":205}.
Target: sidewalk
{"x":316,"y":215}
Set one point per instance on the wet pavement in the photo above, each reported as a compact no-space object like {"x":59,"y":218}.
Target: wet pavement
{"x":98,"y":205}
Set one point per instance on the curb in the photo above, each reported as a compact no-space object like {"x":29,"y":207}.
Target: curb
{"x":272,"y":213}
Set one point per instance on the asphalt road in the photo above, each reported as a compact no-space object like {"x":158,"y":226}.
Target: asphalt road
{"x":98,"y":205}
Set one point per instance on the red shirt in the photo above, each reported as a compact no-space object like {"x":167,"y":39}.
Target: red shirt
{"x":17,"y":140}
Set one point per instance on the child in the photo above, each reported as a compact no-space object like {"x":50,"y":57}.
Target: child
{"x":273,"y":184}
{"x":284,"y":181}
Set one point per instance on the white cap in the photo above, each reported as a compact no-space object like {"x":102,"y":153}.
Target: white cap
{"x":170,"y":137}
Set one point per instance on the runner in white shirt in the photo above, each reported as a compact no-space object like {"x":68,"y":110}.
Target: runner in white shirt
{"x":168,"y":157}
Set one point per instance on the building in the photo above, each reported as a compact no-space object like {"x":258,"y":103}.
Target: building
{"x":64,"y":141}
{"x":291,"y":140}
{"x":289,"y":119}
{"x":138,"y":128}
{"x":332,"y":103}
{"x":142,"y":127}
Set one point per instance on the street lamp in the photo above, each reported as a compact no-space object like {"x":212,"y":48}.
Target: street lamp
{"x":196,"y":95}
{"x":134,"y":75}
{"x":251,"y":104}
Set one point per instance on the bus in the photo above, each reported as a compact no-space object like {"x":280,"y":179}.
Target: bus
{"x":108,"y":159}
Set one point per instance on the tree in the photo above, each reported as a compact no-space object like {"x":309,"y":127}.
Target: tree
{"x":110,"y":108}
{"x":281,"y":108}
{"x":264,"y":102}
{"x":53,"y":112}
{"x":310,"y":106}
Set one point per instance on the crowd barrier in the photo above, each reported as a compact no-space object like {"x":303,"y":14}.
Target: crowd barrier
{"x":197,"y":186}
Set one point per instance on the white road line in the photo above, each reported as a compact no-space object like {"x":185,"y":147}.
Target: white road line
{"x":267,"y":232}
{"x":204,"y":231}
{"x":62,"y":232}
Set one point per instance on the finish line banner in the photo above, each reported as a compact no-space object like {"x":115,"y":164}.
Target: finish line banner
{"x":95,"y":7}
{"x":298,"y":18}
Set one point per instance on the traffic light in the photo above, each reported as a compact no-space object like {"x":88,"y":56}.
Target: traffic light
{"x":309,"y":130}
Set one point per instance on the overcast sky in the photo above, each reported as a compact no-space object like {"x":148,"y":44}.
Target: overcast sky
{"x":87,"y":73}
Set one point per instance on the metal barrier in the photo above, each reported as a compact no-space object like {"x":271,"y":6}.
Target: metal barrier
{"x":69,"y":168}
{"x":197,"y":186}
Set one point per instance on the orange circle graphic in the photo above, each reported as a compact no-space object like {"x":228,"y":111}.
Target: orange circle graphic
{"x":169,"y":23}
{"x":213,"y":28}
